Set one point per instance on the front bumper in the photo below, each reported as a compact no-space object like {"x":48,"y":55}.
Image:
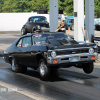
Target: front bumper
{"x":73,"y":58}
{"x":45,"y":29}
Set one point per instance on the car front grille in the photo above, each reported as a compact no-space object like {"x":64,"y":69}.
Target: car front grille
{"x":45,"y":25}
{"x":66,"y":52}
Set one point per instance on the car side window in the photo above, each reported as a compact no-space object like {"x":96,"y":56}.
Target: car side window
{"x":26,"y":42}
{"x":31,"y":20}
{"x":19,"y":44}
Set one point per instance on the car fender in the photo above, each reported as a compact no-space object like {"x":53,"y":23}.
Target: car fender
{"x":35,"y":28}
{"x":24,"y":26}
{"x":10,"y":58}
{"x":40,"y":55}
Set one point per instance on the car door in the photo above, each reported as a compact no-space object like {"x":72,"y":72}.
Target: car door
{"x":34,"y":51}
{"x":24,"y":53}
{"x":37,"y":48}
{"x":30,"y":24}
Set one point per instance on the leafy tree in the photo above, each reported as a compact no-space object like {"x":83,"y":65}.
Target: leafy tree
{"x":39,"y":4}
{"x":61,"y":4}
{"x":8,"y":6}
{"x":33,"y":5}
{"x":16,"y":6}
{"x":66,"y":6}
{"x":21,"y":6}
{"x":1,"y":5}
{"x":69,"y":7}
{"x":97,"y":8}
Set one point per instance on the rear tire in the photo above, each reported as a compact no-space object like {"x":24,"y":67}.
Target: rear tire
{"x":44,"y":70}
{"x":88,"y":68}
{"x":16,"y":67}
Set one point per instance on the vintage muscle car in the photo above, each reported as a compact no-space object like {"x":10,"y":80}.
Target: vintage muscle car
{"x":48,"y":52}
{"x":34,"y":23}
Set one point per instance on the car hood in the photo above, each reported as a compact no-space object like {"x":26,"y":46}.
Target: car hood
{"x":53,"y":47}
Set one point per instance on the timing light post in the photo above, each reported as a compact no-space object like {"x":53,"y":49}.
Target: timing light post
{"x":53,"y":17}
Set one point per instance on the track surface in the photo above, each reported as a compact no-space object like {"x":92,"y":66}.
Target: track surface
{"x":68,"y":84}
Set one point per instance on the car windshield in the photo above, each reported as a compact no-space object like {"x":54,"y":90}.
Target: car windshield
{"x":43,"y":38}
{"x":41,"y":19}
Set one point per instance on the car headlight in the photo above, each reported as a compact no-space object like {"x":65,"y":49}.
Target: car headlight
{"x":53,"y":54}
{"x":91,"y":50}
{"x":38,"y":27}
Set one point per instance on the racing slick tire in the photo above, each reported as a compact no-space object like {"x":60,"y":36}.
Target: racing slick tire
{"x":44,"y":70}
{"x":16,"y":67}
{"x":23,"y":31}
{"x":88,"y":68}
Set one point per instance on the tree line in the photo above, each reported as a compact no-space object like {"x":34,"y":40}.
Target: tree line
{"x":33,"y":5}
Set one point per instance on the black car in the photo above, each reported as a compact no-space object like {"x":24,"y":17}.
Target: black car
{"x":97,"y":26}
{"x":48,"y":52}
{"x":34,"y":23}
{"x":96,"y":40}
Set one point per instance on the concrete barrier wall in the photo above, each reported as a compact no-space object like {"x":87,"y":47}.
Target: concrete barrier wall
{"x":15,"y":21}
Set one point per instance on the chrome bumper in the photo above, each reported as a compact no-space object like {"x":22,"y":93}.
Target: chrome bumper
{"x":45,"y":29}
{"x":72,"y":58}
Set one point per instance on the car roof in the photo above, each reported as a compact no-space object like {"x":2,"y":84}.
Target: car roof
{"x":43,"y":33}
{"x":36,"y":16}
{"x":49,"y":33}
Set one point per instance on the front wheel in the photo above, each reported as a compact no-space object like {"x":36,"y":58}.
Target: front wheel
{"x":88,"y":68}
{"x":16,"y":67}
{"x":44,"y":70}
{"x":23,"y":31}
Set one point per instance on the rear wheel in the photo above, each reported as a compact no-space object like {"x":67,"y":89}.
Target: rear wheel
{"x":88,"y":68}
{"x":44,"y":69}
{"x":16,"y":67}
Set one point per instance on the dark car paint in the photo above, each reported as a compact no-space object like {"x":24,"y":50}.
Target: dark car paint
{"x":97,"y":39}
{"x":30,"y":25}
{"x":72,"y":45}
{"x":28,"y":56}
{"x":97,"y":27}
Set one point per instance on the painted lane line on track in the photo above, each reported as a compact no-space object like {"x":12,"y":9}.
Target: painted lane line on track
{"x":32,"y":95}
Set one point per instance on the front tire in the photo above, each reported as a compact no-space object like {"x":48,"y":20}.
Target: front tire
{"x":88,"y":68}
{"x":23,"y":31}
{"x":44,"y":70}
{"x":16,"y":67}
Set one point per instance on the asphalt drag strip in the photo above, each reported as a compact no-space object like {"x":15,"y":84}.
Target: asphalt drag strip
{"x":67,"y":84}
{"x":11,"y":94}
